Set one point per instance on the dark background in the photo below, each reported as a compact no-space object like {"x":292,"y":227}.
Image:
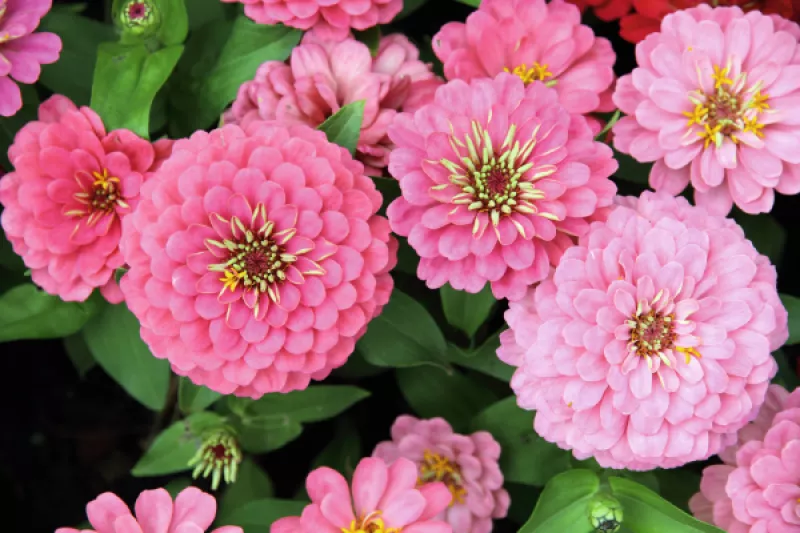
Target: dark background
{"x":64,"y":439}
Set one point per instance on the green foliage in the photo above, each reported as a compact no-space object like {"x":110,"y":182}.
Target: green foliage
{"x":792,"y":305}
{"x":677,"y":485}
{"x":763,"y":230}
{"x":26,"y":312}
{"x":613,"y":119}
{"x":466,"y":311}
{"x":193,"y":398}
{"x":632,"y":170}
{"x":564,"y":504}
{"x":473,"y":3}
{"x":252,"y":483}
{"x":371,"y":37}
{"x":343,"y":452}
{"x":79,"y":353}
{"x":258,"y":515}
{"x":202,"y":12}
{"x":484,"y":359}
{"x":409,"y":6}
{"x":344,"y":127}
{"x":9,"y":126}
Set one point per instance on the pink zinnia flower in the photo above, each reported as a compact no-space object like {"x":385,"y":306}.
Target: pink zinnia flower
{"x":256,"y":258}
{"x":467,"y":464}
{"x":321,"y":77}
{"x":651,"y":344}
{"x":23,"y":52}
{"x":537,"y":41}
{"x":713,"y":102}
{"x":759,"y":491}
{"x":383,"y":500}
{"x":72,"y":184}
{"x":192,"y":512}
{"x":497,"y":178}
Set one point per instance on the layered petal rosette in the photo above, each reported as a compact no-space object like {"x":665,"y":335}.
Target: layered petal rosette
{"x":651,"y":344}
{"x":497,"y":179}
{"x":467,"y":464}
{"x":256,"y":258}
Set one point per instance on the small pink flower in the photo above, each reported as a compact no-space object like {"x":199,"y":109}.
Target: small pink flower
{"x":497,"y":179}
{"x":383,"y":500}
{"x":467,"y":464}
{"x":651,"y":344}
{"x":759,"y":491}
{"x":72,"y":184}
{"x":23,"y":52}
{"x":192,"y":512}
{"x":322,"y":76}
{"x":713,"y":103}
{"x":537,"y":41}
{"x":334,"y":18}
{"x":256,"y":258}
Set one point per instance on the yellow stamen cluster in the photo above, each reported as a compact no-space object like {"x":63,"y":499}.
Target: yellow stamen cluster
{"x":100,"y":198}
{"x":434,"y":467}
{"x":372,"y":523}
{"x":537,"y":72}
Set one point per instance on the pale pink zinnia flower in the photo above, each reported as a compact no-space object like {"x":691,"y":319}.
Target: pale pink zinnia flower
{"x":321,"y":77}
{"x":537,"y":41}
{"x":72,"y":184}
{"x":759,"y":491}
{"x":192,"y":511}
{"x":467,"y":464}
{"x":383,"y":499}
{"x":497,"y":179}
{"x":23,"y":52}
{"x":256,"y":258}
{"x":713,"y":102}
{"x":651,"y":344}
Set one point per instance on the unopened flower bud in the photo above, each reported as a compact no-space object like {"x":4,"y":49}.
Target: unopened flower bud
{"x":138,"y":17}
{"x":219,"y":456}
{"x":605,"y":513}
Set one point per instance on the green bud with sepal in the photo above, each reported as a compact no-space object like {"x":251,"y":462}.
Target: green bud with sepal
{"x":139,"y":18}
{"x":605,"y":513}
{"x":219,"y":456}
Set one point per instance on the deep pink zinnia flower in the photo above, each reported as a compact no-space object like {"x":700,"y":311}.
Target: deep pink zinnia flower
{"x":537,"y":41}
{"x":759,"y":491}
{"x":334,"y":18}
{"x":497,"y":179}
{"x":256,"y":258}
{"x":192,"y":511}
{"x":321,"y":77}
{"x":651,"y":344}
{"x":712,"y":103}
{"x":383,"y":500}
{"x":467,"y":464}
{"x":23,"y":52}
{"x":72,"y":184}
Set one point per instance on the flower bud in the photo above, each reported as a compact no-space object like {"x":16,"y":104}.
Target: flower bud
{"x":219,"y":456}
{"x":137,"y":17}
{"x":605,"y":513}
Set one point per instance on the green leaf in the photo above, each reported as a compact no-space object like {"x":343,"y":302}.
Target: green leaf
{"x":407,"y":258}
{"x":432,"y":393}
{"x":193,"y":397}
{"x":9,"y":260}
{"x":263,"y":439}
{"x":523,"y":500}
{"x":403,"y":335}
{"x":564,"y":504}
{"x":219,"y":57}
{"x":204,"y":11}
{"x":71,"y":75}
{"x":473,"y":3}
{"x":174,"y":447}
{"x":371,"y":37}
{"x":9,"y":126}
{"x":175,"y":24}
{"x":343,"y":452}
{"x":610,"y":124}
{"x":766,"y":234}
{"x":357,"y":367}
{"x":252,"y":483}
{"x":78,"y":352}
{"x":257,"y":516}
{"x":646,"y":512}
{"x":113,"y":337}
{"x":317,"y":402}
{"x":483,"y":360}
{"x":176,"y":486}
{"x":126,"y":81}
{"x":632,"y":170}
{"x":344,"y":127}
{"x":409,"y":6}
{"x":677,"y":485}
{"x":29,"y":313}
{"x":467,"y":311}
{"x":526,"y":457}
{"x":787,"y":373}
{"x":390,"y":190}
{"x":792,"y":305}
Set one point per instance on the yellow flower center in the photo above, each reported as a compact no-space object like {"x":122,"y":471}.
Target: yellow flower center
{"x":435,"y":467}
{"x":99,"y":198}
{"x":372,"y":523}
{"x":537,"y":72}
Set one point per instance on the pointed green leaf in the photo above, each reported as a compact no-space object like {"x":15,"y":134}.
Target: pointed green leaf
{"x":79,"y":353}
{"x":317,"y":402}
{"x":467,"y":311}
{"x":29,"y":313}
{"x":265,"y":438}
{"x":257,"y":516}
{"x":344,"y":127}
{"x":252,"y":483}
{"x":193,"y":398}
{"x":484,"y":359}
{"x":564,"y":504}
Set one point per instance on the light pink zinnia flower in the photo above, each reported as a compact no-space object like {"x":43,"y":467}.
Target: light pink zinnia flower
{"x":71,"y":186}
{"x":467,"y":464}
{"x":256,"y":258}
{"x":23,"y":52}
{"x":192,"y":512}
{"x":333,"y":18}
{"x":650,"y":346}
{"x":497,"y":178}
{"x":760,"y":490}
{"x":321,"y":77}
{"x":713,"y":103}
{"x":383,"y":500}
{"x":537,"y":41}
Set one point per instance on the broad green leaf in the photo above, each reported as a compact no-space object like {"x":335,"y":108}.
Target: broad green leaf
{"x":192,"y":398}
{"x":371,"y":37}
{"x":766,"y":234}
{"x":126,"y":80}
{"x":71,"y":75}
{"x":174,"y":447}
{"x":484,"y":359}
{"x":677,"y":485}
{"x":792,"y":305}
{"x":177,"y":485}
{"x":432,"y":392}
{"x":344,"y":127}
{"x":357,"y":367}
{"x":407,"y":258}
{"x":343,"y":452}
{"x":317,"y":402}
{"x":263,"y":438}
{"x":647,"y":512}
{"x":175,"y":24}
{"x":648,"y":479}
{"x":409,"y":6}
{"x":9,"y":126}
{"x":473,"y":3}
{"x":29,"y":313}
{"x":467,"y":311}
{"x":257,"y":516}
{"x":113,"y":337}
{"x":564,"y":504}
{"x":632,"y":170}
{"x":403,"y":335}
{"x":526,"y":457}
{"x":252,"y":483}
{"x":78,"y":352}
{"x":219,"y":57}
{"x":787,"y":373}
{"x":390,"y":190}
{"x":204,"y":11}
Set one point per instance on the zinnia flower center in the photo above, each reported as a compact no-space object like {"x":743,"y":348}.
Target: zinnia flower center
{"x":372,"y":523}
{"x":100,"y":194}
{"x":537,"y":72}
{"x":730,"y":109}
{"x":219,"y":455}
{"x":137,"y":10}
{"x":434,"y":467}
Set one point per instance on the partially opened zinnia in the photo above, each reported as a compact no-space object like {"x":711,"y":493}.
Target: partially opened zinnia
{"x":651,"y":344}
{"x":256,"y":258}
